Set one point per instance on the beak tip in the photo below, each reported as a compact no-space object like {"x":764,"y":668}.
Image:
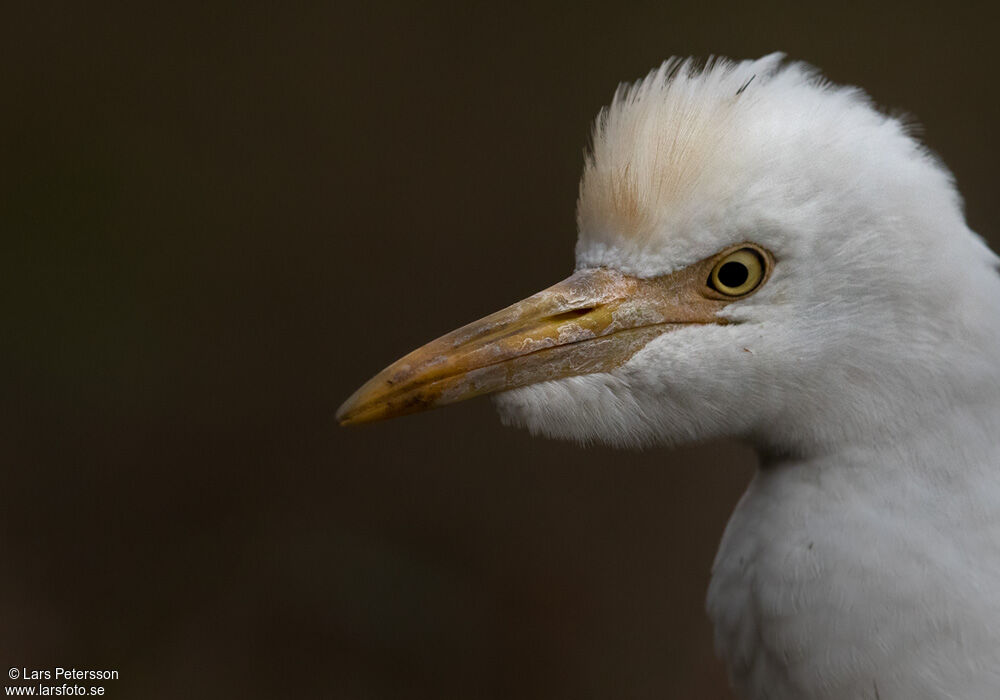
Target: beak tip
{"x":344,"y":416}
{"x":358,"y":409}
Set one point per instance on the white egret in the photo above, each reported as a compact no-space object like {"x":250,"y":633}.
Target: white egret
{"x":766,"y":256}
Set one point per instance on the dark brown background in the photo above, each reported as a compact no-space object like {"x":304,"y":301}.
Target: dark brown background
{"x":217,"y":222}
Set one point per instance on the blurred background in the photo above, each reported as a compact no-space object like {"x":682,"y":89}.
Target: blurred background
{"x":217,"y":221}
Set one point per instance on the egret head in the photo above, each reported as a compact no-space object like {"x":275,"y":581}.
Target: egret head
{"x":759,"y":252}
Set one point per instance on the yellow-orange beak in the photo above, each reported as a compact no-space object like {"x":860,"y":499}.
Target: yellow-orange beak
{"x":593,"y":321}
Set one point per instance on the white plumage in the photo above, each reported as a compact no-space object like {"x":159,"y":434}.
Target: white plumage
{"x":864,"y":559}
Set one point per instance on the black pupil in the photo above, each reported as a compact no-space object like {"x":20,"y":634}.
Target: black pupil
{"x":733,"y":274}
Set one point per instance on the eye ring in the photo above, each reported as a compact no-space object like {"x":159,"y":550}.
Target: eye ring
{"x":738,"y":273}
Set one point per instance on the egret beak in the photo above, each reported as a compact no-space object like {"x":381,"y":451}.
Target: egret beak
{"x":593,"y":321}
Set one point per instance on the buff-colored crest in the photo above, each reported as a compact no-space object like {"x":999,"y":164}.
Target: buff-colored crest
{"x":663,"y":138}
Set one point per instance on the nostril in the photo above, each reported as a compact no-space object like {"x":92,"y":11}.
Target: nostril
{"x":573,"y":313}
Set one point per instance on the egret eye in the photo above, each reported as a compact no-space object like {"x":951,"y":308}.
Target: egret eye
{"x":738,"y":273}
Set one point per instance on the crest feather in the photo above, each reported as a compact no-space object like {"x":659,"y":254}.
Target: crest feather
{"x":661,"y":137}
